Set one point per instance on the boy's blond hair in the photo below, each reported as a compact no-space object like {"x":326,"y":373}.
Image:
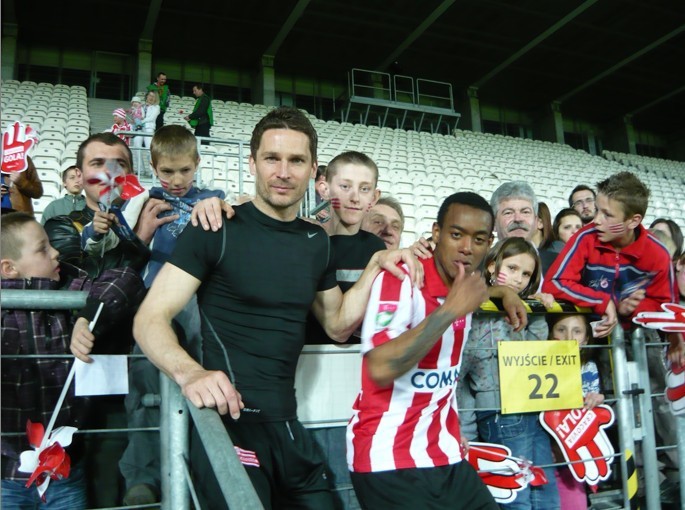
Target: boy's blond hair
{"x":172,"y":141}
{"x":11,"y":240}
{"x":628,"y":190}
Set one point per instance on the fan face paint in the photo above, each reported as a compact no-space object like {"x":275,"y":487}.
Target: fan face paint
{"x":611,"y":222}
{"x":516,"y":271}
{"x":96,"y":162}
{"x":352,"y":191}
{"x":617,"y":228}
{"x":176,"y":173}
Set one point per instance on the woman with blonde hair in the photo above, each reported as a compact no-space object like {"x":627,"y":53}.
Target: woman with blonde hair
{"x":150,"y":113}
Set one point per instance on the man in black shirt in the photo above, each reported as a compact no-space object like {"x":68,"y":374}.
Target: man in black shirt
{"x":256,"y":277}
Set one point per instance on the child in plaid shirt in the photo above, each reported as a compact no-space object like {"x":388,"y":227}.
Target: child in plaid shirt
{"x":31,"y":386}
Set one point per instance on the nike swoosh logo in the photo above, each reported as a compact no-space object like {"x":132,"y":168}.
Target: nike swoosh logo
{"x":311,"y":234}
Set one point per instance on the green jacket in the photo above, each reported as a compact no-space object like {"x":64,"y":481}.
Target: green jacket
{"x":202,"y":112}
{"x":164,"y":95}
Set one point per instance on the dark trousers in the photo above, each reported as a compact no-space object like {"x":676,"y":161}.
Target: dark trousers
{"x":203,"y":130}
{"x":160,"y":120}
{"x":291,"y":472}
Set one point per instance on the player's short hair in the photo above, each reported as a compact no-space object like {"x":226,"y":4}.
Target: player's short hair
{"x":465,"y":198}
{"x":172,"y":141}
{"x":284,"y":117}
{"x":351,"y":158}
{"x":628,"y":190}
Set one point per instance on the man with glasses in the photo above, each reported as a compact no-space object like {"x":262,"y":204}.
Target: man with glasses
{"x":582,"y":199}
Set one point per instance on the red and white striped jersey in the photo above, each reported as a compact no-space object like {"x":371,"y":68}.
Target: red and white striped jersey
{"x":413,"y":423}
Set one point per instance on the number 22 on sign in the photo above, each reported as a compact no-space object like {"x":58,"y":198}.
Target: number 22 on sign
{"x":539,"y":376}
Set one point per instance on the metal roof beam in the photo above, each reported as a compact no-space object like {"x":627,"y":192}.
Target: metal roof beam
{"x":151,"y":20}
{"x":286,"y":27}
{"x":418,"y":31}
{"x":622,"y":63}
{"x":658,"y":100}
{"x":532,"y":44}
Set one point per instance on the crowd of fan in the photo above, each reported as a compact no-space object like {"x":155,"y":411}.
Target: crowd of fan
{"x":119,"y":251}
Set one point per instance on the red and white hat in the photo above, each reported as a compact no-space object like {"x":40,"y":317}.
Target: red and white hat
{"x":120,"y":112}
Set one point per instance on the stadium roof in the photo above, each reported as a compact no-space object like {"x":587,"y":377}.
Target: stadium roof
{"x":602,"y":59}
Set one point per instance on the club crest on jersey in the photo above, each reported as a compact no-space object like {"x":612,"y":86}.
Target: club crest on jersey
{"x":385,"y":313}
{"x":599,"y":283}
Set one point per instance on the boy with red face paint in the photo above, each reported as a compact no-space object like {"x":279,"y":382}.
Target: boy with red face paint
{"x":614,"y":265}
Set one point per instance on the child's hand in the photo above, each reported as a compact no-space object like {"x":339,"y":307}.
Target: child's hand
{"x":207,"y":212}
{"x":608,"y":322}
{"x":82,"y":340}
{"x":102,"y":222}
{"x":628,"y":305}
{"x":676,"y":350}
{"x":593,"y":399}
{"x":546,"y":299}
{"x":464,"y":442}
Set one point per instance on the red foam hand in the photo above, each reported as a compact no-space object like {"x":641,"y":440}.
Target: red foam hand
{"x":672,"y":319}
{"x":539,"y":476}
{"x":130,"y":186}
{"x":675,"y":388}
{"x":498,"y":470}
{"x":17,"y":140}
{"x":581,"y":437}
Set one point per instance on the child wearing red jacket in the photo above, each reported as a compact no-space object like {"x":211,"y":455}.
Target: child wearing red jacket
{"x":614,"y":265}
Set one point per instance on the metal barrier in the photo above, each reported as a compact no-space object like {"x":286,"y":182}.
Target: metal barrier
{"x":177,"y":484}
{"x":233,"y":480}
{"x":633,"y":401}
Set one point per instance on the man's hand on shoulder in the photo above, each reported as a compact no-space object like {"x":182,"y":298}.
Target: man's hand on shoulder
{"x":148,"y":221}
{"x":212,"y":388}
{"x":389,"y":260}
{"x":423,"y":248}
{"x":208,"y":213}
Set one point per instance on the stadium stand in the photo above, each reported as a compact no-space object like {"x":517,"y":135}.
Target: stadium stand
{"x":418,"y":168}
{"x":59,"y":114}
